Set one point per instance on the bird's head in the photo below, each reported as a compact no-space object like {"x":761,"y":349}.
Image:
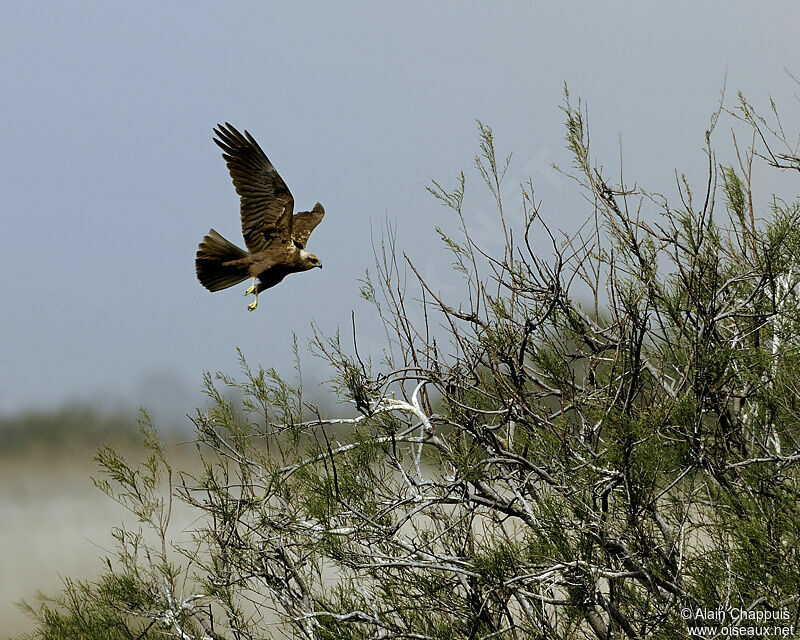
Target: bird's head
{"x":309,"y":260}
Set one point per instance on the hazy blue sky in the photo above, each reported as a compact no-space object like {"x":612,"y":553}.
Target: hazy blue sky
{"x":109,"y":177}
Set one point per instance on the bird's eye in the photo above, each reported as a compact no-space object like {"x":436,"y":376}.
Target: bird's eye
{"x":297,"y":245}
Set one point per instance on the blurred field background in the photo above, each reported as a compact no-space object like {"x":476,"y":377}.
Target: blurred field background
{"x":55,"y":524}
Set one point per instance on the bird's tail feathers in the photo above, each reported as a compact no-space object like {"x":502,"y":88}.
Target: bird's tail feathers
{"x":220,"y":264}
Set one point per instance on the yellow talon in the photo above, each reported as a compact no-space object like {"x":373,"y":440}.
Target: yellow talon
{"x":252,"y":306}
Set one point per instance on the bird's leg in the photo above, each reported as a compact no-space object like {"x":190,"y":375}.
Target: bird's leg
{"x":254,"y":290}
{"x":252,"y":306}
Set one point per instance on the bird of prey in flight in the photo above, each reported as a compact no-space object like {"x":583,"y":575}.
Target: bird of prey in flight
{"x":275,"y":238}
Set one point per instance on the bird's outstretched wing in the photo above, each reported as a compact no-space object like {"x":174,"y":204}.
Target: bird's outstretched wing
{"x":266,"y":202}
{"x":305,"y":222}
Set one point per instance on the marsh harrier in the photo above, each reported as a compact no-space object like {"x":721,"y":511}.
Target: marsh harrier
{"x":275,"y":237}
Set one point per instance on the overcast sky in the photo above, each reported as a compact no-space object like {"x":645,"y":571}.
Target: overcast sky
{"x":109,"y":177}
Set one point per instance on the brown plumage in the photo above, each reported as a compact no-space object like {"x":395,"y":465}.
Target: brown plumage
{"x":274,"y":237}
